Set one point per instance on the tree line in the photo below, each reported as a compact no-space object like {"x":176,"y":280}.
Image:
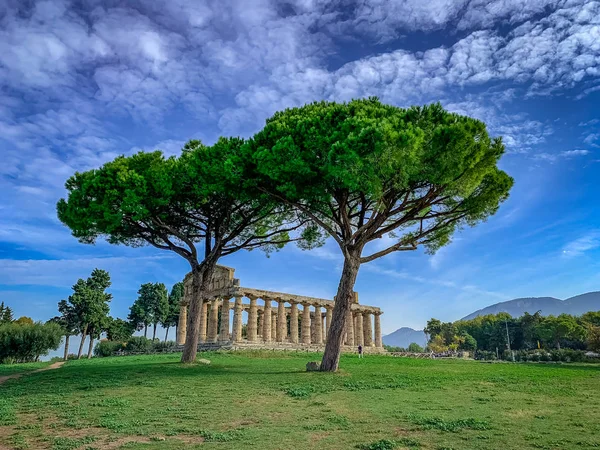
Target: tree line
{"x":353,"y":172}
{"x":85,"y":312}
{"x":497,"y":332}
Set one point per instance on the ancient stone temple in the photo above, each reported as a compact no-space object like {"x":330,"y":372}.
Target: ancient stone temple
{"x":239,"y":317}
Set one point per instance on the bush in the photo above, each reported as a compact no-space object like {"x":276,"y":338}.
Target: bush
{"x":138,"y":344}
{"x":160,"y":347}
{"x":563,"y":355}
{"x":484,"y":355}
{"x":27,"y":342}
{"x":107,"y":348}
{"x":415,"y":348}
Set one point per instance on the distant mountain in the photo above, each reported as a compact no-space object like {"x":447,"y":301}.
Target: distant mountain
{"x":402,"y":337}
{"x":547,"y":305}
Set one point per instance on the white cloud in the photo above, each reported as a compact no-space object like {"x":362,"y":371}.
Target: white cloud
{"x":64,"y":272}
{"x":578,"y":247}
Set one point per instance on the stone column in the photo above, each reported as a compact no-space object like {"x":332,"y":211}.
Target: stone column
{"x":281,"y":321}
{"x":252,"y":317}
{"x":328,"y":317}
{"x":182,"y":325}
{"x":203,"y":320}
{"x":273,"y":325}
{"x":294,"y":323}
{"x":368,"y":329}
{"x":224,"y":331}
{"x":236,"y":335}
{"x":267,"y":321}
{"x":213,"y":321}
{"x":318,"y":326}
{"x":360,"y":337}
{"x":306,"y":324}
{"x":349,"y":329}
{"x":324,"y":337}
{"x":378,"y":338}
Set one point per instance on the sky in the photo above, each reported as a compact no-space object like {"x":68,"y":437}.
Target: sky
{"x":82,"y":82}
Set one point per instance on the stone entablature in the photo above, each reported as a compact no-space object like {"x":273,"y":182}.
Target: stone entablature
{"x":268,"y":323}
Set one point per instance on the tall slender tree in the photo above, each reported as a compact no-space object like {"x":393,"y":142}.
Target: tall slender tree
{"x":68,"y":321}
{"x":90,"y":304}
{"x":6,"y":314}
{"x":172,"y":317}
{"x":378,"y":179}
{"x":186,"y":204}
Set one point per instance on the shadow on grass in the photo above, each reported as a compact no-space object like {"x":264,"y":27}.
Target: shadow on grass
{"x":128,"y":372}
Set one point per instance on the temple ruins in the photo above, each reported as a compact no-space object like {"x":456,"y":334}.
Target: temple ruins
{"x":259,"y":323}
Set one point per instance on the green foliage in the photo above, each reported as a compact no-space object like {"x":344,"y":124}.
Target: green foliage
{"x":88,"y":305}
{"x":530,"y":331}
{"x":421,"y":171}
{"x":24,"y":320}
{"x":438,"y":423}
{"x":415,"y":348}
{"x":118,"y":330}
{"x":468,"y":343}
{"x":393,"y":349}
{"x":383,"y":444}
{"x":138,"y":344}
{"x":175,"y":298}
{"x":27,"y":342}
{"x":151,"y":307}
{"x":593,"y":339}
{"x":106,"y":348}
{"x":133,"y":345}
{"x":6,"y":314}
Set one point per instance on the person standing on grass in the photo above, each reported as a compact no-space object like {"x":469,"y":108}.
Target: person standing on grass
{"x":360,"y":353}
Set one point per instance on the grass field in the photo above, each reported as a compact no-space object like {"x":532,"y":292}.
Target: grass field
{"x":254,"y":401}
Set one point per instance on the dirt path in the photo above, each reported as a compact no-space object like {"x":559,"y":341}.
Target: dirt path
{"x":53,"y":366}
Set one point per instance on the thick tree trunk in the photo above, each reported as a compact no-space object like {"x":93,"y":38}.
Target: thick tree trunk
{"x":91,"y":347}
{"x":66,"y":347}
{"x":83,"y":336}
{"x":343,"y":302}
{"x":154,"y":332}
{"x":200,"y":283}
{"x":146,"y":331}
{"x":167,"y":334}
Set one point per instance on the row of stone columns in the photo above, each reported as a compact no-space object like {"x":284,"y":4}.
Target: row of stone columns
{"x":268,"y":325}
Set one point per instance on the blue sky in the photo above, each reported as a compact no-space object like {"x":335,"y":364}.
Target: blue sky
{"x":82,"y":83}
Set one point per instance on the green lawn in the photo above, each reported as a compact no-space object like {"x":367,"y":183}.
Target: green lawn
{"x":11,"y":369}
{"x":245,"y":400}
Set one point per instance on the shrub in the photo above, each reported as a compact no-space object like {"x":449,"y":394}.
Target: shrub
{"x":415,"y":348}
{"x":160,"y":347}
{"x":139,"y":344}
{"x":107,"y":348}
{"x":27,"y":342}
{"x":484,"y":355}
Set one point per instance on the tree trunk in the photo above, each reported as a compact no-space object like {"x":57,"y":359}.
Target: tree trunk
{"x":83,"y":335}
{"x":154,"y":332}
{"x":167,"y":334}
{"x":91,"y":347}
{"x":343,"y":302}
{"x":146,"y":331}
{"x":200,"y":283}
{"x":66,"y":347}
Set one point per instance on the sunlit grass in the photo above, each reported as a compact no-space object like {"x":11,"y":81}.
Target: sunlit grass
{"x":268,"y":401}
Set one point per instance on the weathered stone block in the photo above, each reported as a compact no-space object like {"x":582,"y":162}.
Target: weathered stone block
{"x":206,"y":362}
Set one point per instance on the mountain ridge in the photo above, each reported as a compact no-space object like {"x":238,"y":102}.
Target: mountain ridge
{"x":576,"y":305}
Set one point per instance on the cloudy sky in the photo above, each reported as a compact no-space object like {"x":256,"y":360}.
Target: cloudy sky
{"x":82,"y":82}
